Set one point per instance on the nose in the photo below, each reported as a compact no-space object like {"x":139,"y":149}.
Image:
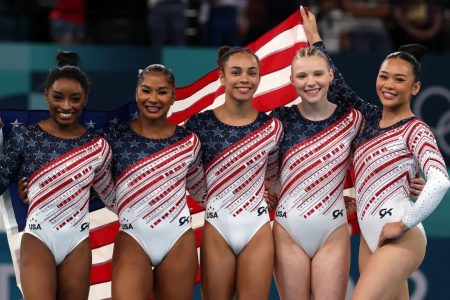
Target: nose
{"x":310,"y":82}
{"x":66,"y":104}
{"x":244,"y":77}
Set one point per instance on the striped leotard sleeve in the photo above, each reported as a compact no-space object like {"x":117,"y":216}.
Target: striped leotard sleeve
{"x":103,"y":182}
{"x":273,"y":165}
{"x":422,"y":144}
{"x":195,"y":178}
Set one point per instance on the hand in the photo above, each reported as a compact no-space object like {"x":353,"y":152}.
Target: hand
{"x":350,"y":205}
{"x":416,"y":186}
{"x":22,"y":190}
{"x":310,"y":26}
{"x":271,"y":199}
{"x":391,"y":231}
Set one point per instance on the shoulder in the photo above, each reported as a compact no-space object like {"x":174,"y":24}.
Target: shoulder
{"x":115,"y":130}
{"x":280,"y":113}
{"x":198,"y":120}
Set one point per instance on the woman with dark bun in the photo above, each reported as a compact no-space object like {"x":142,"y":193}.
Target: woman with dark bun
{"x":393,"y":146}
{"x":61,"y":161}
{"x":240,"y":154}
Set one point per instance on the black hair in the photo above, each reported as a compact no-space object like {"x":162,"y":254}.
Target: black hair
{"x":225,"y":52}
{"x":411,"y":53}
{"x":158,"y":68}
{"x":68,"y":67}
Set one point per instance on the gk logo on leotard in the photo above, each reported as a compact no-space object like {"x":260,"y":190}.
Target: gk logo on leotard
{"x":337,"y":213}
{"x":84,"y":226}
{"x":263,"y":210}
{"x":184,"y":220}
{"x":34,"y":226}
{"x":385,"y":211}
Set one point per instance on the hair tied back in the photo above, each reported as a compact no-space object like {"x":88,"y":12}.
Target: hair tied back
{"x":68,"y":58}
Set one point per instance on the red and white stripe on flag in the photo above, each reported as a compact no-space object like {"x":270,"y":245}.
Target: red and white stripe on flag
{"x":275,"y":50}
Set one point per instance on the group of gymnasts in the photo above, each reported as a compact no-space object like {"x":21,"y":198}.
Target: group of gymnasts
{"x":238,"y":163}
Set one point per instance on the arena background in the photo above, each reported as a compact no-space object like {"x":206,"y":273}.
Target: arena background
{"x":113,"y":72}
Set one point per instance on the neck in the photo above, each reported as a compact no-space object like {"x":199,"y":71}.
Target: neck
{"x":63,"y":131}
{"x":236,"y":113}
{"x":391,"y":116}
{"x":316,"y":111}
{"x":159,"y":128}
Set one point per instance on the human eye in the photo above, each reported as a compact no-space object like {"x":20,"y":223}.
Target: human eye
{"x":300,"y":75}
{"x":76,"y":99}
{"x":57,"y":97}
{"x":163,"y":92}
{"x":382,"y":76}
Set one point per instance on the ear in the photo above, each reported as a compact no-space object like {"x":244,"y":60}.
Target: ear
{"x":291,"y":79}
{"x":222,"y":78}
{"x":416,"y":88}
{"x":331,"y":75}
{"x":86,"y":100}
{"x":174,"y":96}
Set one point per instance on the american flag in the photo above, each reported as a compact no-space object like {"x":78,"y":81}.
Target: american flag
{"x":275,"y":50}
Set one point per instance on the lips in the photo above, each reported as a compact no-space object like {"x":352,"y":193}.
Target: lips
{"x":65,"y":115}
{"x":312,"y":92}
{"x":388,"y":95}
{"x":153,"y":109}
{"x":244,"y":90}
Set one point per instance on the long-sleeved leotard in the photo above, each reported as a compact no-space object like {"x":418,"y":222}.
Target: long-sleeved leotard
{"x":385,"y":161}
{"x":314,"y":162}
{"x":238,"y":161}
{"x":60,"y":173}
{"x":151,"y":180}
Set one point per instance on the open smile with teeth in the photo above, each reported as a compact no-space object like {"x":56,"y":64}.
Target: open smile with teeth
{"x":312,"y":92}
{"x":244,"y":89}
{"x":65,"y":115}
{"x":153,"y":109}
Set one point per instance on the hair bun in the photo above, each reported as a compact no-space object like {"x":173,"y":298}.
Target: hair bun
{"x":221,"y":52}
{"x":416,"y":50}
{"x":68,"y":58}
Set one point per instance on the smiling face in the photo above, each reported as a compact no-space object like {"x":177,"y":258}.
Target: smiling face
{"x":311,"y":76}
{"x":154,"y":96}
{"x":396,"y":83}
{"x":66,"y":99}
{"x":240,"y":77}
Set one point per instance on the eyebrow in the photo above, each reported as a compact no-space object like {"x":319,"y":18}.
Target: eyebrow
{"x":397,"y":74}
{"x":158,"y":88}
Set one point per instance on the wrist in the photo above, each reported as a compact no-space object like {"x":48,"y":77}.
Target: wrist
{"x":404,"y":227}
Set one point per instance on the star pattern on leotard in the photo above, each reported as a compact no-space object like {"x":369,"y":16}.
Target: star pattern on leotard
{"x":297,"y":128}
{"x":28,"y":148}
{"x":216,"y":136}
{"x":128,"y":147}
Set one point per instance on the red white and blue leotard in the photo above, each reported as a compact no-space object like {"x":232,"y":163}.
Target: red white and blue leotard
{"x":238,"y":161}
{"x":151,"y":180}
{"x":385,"y":160}
{"x":60,"y":173}
{"x":314,"y":162}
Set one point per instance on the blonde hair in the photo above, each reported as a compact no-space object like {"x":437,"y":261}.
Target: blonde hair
{"x":310,"y":52}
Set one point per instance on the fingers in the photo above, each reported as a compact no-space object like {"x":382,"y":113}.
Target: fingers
{"x":22,"y":190}
{"x":416,"y":186}
{"x":310,"y":26}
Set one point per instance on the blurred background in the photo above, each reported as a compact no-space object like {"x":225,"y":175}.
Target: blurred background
{"x":115,"y":38}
